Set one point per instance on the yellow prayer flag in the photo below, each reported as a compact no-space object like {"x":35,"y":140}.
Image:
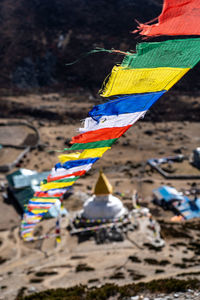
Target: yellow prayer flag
{"x":55,"y":185}
{"x":92,"y":153}
{"x":28,"y":234}
{"x":35,"y":218}
{"x":58,"y":239}
{"x":43,"y":200}
{"x":66,"y":157}
{"x":88,"y":153}
{"x":39,"y":211}
{"x":131,"y":81}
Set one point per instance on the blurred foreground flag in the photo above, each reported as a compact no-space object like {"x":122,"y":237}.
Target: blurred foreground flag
{"x":178,"y":17}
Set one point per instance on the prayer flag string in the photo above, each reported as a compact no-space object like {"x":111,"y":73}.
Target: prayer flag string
{"x":136,"y":84}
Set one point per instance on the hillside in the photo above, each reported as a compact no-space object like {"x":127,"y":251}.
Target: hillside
{"x":38,"y":38}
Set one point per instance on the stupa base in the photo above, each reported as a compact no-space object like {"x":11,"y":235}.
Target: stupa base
{"x":102,"y":230}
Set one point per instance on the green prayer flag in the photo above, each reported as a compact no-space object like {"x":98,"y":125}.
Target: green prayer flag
{"x":172,"y":53}
{"x":67,"y":179}
{"x":91,"y":145}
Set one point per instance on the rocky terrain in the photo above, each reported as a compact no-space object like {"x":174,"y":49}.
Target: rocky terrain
{"x":27,"y":268}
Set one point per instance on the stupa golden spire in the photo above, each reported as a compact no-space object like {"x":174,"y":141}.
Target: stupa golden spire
{"x":103,"y":186}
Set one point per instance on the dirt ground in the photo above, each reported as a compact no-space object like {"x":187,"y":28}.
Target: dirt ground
{"x":41,"y":265}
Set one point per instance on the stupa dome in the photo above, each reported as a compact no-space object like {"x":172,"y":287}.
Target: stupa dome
{"x":103,"y":205}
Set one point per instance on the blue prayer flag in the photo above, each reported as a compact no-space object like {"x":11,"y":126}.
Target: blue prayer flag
{"x":126,"y":104}
{"x":75,"y":163}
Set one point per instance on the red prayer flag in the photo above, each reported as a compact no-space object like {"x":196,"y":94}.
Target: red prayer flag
{"x":44,"y":194}
{"x":178,"y":17}
{"x":79,"y":173}
{"x":100,"y":135}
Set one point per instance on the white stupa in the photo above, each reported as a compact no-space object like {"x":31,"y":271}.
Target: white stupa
{"x":102,"y":204}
